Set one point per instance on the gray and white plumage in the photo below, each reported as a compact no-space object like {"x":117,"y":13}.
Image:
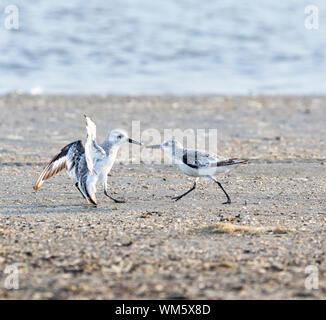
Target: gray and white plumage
{"x":87,"y":166}
{"x":197,"y":163}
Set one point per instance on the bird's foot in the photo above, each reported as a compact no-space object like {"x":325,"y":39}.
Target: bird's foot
{"x":227,"y":202}
{"x":94,"y":204}
{"x":176,"y":198}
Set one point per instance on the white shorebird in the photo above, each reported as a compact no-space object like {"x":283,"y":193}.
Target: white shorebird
{"x":88,"y":165}
{"x":197,"y":163}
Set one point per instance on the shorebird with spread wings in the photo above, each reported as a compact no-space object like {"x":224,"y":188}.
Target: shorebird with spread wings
{"x":197,"y":164}
{"x":89,"y":165}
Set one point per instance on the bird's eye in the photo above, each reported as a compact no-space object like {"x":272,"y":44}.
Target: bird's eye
{"x":119,"y":136}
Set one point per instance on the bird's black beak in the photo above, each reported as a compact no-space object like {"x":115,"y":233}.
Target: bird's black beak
{"x":135,"y":142}
{"x":155,"y":146}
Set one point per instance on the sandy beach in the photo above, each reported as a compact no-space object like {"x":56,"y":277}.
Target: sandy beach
{"x":151,"y":247}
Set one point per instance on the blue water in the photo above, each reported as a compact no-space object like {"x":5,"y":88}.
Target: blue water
{"x":163,"y":47}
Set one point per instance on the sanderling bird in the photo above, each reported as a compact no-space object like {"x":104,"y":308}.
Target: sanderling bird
{"x":197,"y":163}
{"x":88,"y":165}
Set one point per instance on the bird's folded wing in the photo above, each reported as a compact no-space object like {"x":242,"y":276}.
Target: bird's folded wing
{"x":92,"y":149}
{"x":200,"y":159}
{"x":66,"y":159}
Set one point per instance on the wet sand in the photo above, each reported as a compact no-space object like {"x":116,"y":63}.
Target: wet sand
{"x":151,"y":247}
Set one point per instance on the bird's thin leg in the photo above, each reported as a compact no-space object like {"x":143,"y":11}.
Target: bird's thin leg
{"x":89,"y":199}
{"x":184,"y":194}
{"x":106,"y":193}
{"x":219,"y":184}
{"x":115,"y":200}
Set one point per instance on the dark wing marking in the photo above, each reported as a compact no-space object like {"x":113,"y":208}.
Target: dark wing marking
{"x":186,"y":160}
{"x":66,"y":159}
{"x":195,"y":159}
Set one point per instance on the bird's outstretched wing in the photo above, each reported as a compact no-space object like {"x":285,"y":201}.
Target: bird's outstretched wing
{"x":66,"y":159}
{"x":200,"y":159}
{"x":92,"y":149}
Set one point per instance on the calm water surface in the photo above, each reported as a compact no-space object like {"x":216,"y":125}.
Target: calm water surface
{"x":163,"y":47}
